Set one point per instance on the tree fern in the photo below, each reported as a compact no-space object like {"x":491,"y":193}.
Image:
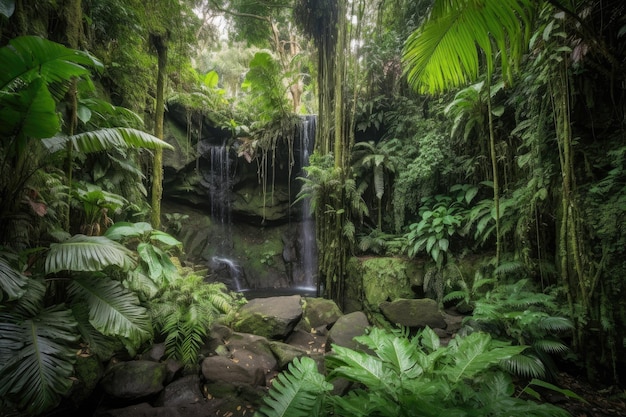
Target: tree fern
{"x":298,"y":392}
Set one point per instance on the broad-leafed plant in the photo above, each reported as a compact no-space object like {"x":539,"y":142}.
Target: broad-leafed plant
{"x":407,"y":376}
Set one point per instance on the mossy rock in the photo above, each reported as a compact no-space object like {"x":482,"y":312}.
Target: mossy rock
{"x":385,"y":279}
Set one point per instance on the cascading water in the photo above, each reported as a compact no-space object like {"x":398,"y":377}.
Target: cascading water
{"x":307,"y":224}
{"x":219,"y":183}
{"x":233,"y":271}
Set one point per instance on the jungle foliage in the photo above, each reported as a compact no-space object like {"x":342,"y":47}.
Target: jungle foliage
{"x":446,"y":129}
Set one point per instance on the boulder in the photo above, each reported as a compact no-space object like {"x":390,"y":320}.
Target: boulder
{"x":134,"y":379}
{"x":346,"y":329}
{"x":252,"y":352}
{"x":182,"y":392}
{"x":319,"y":312}
{"x":414,"y":313}
{"x":227,"y":371}
{"x":272,"y":317}
{"x":286,"y":353}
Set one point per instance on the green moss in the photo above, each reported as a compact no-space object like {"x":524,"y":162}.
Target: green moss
{"x":377,"y":279}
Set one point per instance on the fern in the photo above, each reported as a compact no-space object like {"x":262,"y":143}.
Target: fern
{"x":406,"y":375}
{"x":185,"y":310}
{"x":525,"y":317}
{"x":299,"y":392}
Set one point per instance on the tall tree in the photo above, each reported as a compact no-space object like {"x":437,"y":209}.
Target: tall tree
{"x":159,"y":42}
{"x":445,"y":52}
{"x":337,"y":202}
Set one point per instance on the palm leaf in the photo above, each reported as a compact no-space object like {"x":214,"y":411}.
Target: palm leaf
{"x":12,"y":282}
{"x":87,"y":253}
{"x":525,"y":365}
{"x":29,"y":57}
{"x":443,"y":53}
{"x":36,"y":358}
{"x":475,"y":353}
{"x":97,"y":343}
{"x":106,"y":139}
{"x":299,"y":392}
{"x":113,"y":310}
{"x":357,"y":367}
{"x":31,"y":113}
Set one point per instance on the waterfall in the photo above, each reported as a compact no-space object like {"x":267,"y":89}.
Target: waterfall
{"x":219,"y":183}
{"x":233,"y":272}
{"x":307,"y":224}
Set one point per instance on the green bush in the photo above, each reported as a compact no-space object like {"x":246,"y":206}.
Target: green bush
{"x":405,"y":376}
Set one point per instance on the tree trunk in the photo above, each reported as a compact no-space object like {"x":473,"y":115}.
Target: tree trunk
{"x":160,"y":44}
{"x":73,"y":16}
{"x":494,"y":168}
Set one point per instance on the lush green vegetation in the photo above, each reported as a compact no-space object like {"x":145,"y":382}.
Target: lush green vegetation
{"x":407,"y":376}
{"x":446,"y":129}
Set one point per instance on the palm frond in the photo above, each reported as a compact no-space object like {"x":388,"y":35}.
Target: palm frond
{"x":556,"y":324}
{"x":550,"y":346}
{"x":357,"y":366}
{"x":29,"y":57}
{"x":475,"y":353}
{"x":12,"y":281}
{"x":96,"y":343}
{"x":443,"y":53}
{"x":113,"y":310}
{"x":299,"y":392}
{"x":106,"y":139}
{"x":87,"y":253}
{"x":36,"y":358}
{"x":525,"y":365}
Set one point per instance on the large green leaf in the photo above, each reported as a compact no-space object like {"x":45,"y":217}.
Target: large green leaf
{"x":106,"y":139}
{"x":444,"y":52}
{"x":30,"y":113}
{"x":477,"y":353}
{"x":29,"y":57}
{"x":12,"y":282}
{"x":87,"y":253}
{"x":298,"y":392}
{"x":36,"y":358}
{"x":113,"y":310}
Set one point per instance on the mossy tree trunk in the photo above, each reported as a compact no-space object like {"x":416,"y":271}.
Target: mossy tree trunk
{"x":159,"y":42}
{"x":325,"y":21}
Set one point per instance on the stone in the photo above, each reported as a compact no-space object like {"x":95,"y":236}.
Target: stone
{"x":252,"y":352}
{"x":414,"y":313}
{"x":225,"y":370}
{"x":319,"y":312}
{"x":346,"y":329}
{"x":155,"y":353}
{"x":286,"y":353}
{"x":272,"y":317}
{"x":134,"y":379}
{"x":183,"y":391}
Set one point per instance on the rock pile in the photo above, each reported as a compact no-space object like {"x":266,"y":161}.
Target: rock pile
{"x":238,"y":362}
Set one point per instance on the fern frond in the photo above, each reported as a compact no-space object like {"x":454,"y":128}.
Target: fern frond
{"x":299,"y":392}
{"x":509,"y":267}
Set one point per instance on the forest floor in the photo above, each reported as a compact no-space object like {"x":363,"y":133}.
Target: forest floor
{"x":600,"y":401}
